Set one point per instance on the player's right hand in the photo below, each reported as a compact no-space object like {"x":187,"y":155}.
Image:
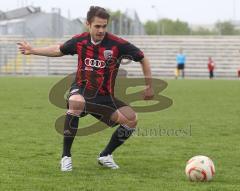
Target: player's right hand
{"x":24,"y":47}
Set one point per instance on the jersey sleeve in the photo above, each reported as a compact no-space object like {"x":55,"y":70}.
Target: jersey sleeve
{"x":69,"y":47}
{"x":131,"y":52}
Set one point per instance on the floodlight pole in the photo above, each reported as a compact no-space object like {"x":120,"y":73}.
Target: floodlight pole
{"x":234,"y":10}
{"x":158,"y":18}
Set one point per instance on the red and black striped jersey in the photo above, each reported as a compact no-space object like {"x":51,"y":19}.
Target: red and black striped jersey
{"x":98,"y":64}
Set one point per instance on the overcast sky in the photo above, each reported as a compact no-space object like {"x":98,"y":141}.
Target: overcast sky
{"x":191,"y":11}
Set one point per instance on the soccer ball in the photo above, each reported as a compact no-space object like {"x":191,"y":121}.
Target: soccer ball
{"x":200,"y":168}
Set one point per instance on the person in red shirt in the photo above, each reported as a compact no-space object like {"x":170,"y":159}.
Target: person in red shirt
{"x":92,"y":92}
{"x":211,"y":67}
{"x":238,"y":73}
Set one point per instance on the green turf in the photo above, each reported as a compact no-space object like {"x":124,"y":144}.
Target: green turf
{"x":207,"y":112}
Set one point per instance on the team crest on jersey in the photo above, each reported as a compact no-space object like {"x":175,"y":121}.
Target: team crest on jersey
{"x":108,"y":54}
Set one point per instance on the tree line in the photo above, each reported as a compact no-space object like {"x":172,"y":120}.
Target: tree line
{"x":167,"y":26}
{"x":177,"y":27}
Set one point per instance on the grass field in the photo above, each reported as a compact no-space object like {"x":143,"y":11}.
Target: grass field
{"x":208,"y":111}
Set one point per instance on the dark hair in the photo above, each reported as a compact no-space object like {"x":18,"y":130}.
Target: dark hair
{"x":96,"y":11}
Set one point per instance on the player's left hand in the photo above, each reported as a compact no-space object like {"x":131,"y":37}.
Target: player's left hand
{"x":148,"y":93}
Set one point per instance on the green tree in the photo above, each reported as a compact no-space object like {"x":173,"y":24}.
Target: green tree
{"x":151,"y":27}
{"x":170,"y":27}
{"x":167,"y":27}
{"x":226,"y":28}
{"x":203,"y":31}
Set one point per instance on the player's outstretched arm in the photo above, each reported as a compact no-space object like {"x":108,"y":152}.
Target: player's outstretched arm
{"x":149,"y":92}
{"x":50,"y":51}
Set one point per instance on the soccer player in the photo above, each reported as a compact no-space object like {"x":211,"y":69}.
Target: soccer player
{"x":99,"y":56}
{"x":211,"y":67}
{"x":181,"y":59}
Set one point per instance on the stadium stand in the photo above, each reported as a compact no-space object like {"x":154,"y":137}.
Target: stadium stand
{"x":161,"y":51}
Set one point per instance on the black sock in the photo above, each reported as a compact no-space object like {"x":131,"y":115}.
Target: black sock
{"x":70,"y":130}
{"x":118,"y":138}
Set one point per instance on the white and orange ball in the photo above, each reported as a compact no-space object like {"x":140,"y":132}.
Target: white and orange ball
{"x":200,"y":168}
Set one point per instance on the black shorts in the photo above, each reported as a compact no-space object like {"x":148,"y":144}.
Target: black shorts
{"x":99,"y":106}
{"x":180,"y":66}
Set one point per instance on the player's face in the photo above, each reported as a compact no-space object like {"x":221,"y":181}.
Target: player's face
{"x":97,"y":28}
